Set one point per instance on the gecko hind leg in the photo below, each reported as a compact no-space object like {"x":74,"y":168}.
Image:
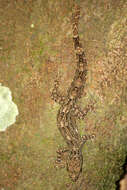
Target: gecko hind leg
{"x":56,"y":95}
{"x":80,"y":114}
{"x":62,"y":155}
{"x":85,"y":138}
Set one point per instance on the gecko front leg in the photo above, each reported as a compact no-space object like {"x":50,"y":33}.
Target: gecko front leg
{"x":80,"y":114}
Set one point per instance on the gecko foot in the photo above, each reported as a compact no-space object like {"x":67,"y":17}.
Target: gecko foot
{"x":88,"y":137}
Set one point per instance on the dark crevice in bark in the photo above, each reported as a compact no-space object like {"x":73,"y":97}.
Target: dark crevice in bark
{"x":118,"y":186}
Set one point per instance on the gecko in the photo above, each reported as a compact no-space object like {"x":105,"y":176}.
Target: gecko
{"x":69,"y":110}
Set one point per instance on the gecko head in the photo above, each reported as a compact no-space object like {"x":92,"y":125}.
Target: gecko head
{"x":74,"y":164}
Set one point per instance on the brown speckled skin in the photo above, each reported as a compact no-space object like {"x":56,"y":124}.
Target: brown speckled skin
{"x":69,"y":111}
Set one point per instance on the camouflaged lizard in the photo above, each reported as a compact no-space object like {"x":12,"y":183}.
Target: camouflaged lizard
{"x":69,"y":110}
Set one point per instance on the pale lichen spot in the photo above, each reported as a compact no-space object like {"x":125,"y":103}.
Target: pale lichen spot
{"x":8,"y":109}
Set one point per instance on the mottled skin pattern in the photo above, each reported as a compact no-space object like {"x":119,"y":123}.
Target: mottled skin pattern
{"x":69,"y":111}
